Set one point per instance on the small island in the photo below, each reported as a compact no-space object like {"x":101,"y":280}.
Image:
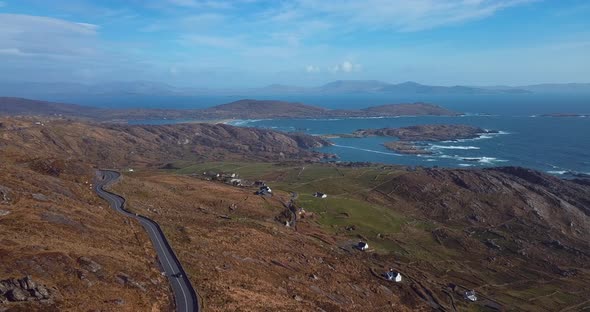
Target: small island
{"x":420,"y":133}
{"x":433,"y":133}
{"x":407,"y":148}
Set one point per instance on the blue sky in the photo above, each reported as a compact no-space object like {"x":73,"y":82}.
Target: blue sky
{"x":248,"y":43}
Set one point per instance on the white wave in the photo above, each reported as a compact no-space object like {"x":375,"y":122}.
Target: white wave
{"x":430,"y":159}
{"x":366,"y":150}
{"x":466,"y":165}
{"x":454,"y":147}
{"x":481,"y":160}
{"x":242,"y":122}
{"x":480,"y":137}
{"x":557,"y":171}
{"x":487,"y":160}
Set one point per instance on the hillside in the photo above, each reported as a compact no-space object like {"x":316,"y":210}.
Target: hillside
{"x":20,"y":106}
{"x":243,"y":109}
{"x":415,"y":109}
{"x":516,"y":236}
{"x":115,"y":145}
{"x":252,"y":109}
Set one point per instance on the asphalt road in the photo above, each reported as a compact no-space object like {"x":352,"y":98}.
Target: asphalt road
{"x":185,"y":295}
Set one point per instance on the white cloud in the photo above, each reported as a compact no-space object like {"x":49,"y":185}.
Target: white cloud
{"x":403,"y":15}
{"x":312,"y":69}
{"x":29,"y":35}
{"x":347,"y":67}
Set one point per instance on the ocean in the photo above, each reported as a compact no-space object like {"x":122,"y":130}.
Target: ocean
{"x":559,"y":146}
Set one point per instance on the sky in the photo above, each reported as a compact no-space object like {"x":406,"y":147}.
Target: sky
{"x":251,"y":43}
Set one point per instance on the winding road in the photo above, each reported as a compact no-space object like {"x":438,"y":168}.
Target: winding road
{"x":185,"y":295}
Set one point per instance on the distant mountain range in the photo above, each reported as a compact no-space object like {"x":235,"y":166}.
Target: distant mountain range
{"x":40,"y":89}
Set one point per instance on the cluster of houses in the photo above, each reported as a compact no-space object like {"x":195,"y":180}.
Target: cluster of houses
{"x":396,"y":276}
{"x":225,"y":177}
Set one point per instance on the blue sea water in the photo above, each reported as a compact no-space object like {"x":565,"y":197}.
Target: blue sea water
{"x":554,"y":145}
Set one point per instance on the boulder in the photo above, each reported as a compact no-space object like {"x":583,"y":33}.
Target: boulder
{"x":89,"y":264}
{"x":40,"y":197}
{"x":16,"y":294}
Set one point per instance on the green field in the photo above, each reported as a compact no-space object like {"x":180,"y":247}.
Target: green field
{"x":345,"y":187}
{"x":393,"y":230}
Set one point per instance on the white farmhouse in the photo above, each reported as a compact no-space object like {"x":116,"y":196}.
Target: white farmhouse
{"x":393,"y":276}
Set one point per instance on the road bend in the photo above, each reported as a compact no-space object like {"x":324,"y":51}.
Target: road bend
{"x":185,"y":296}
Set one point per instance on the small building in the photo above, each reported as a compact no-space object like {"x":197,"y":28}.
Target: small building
{"x":393,"y":276}
{"x":470,"y":295}
{"x":210,"y":174}
{"x":319,"y":195}
{"x":225,"y":175}
{"x":235,"y":182}
{"x":362,"y":246}
{"x":264,"y":191}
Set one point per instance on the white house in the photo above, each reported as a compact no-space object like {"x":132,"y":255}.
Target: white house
{"x":320,"y":195}
{"x":470,"y":295}
{"x":393,"y":276}
{"x":362,"y":246}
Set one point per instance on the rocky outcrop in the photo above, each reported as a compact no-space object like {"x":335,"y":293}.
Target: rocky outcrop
{"x":89,"y":264}
{"x":24,"y":289}
{"x":5,"y":194}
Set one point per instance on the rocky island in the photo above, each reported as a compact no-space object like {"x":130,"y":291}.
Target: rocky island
{"x":408,"y":148}
{"x":419,"y":133}
{"x":432,"y":133}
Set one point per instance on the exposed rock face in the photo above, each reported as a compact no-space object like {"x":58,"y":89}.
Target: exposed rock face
{"x":5,"y":194}
{"x":89,"y":264}
{"x":24,"y":289}
{"x":530,"y":208}
{"x":40,"y":197}
{"x":426,"y":132}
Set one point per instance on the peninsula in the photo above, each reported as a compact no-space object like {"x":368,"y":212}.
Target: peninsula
{"x":242,"y":109}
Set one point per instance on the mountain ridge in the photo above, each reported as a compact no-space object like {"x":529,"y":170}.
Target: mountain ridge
{"x":43,"y":89}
